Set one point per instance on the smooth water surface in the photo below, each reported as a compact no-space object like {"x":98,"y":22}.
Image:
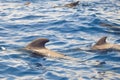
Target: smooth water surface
{"x":68,"y":29}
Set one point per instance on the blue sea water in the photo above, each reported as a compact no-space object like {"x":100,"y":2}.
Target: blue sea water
{"x":68,"y":29}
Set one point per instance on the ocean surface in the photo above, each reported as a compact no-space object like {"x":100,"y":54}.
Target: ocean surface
{"x":70,"y":31}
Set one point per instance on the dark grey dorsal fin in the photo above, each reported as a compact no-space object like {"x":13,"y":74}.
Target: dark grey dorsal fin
{"x":72,"y":4}
{"x":75,"y":3}
{"x":38,"y":43}
{"x":101,"y":41}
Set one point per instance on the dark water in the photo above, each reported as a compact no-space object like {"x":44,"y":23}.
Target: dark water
{"x":68,"y":29}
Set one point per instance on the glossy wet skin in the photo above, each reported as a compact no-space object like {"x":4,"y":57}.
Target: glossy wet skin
{"x":103,"y":45}
{"x":69,"y":5}
{"x":72,"y":4}
{"x":71,"y":28}
{"x":38,"y":47}
{"x":37,"y":43}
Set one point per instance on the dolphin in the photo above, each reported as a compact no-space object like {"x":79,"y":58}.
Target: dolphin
{"x":103,"y":45}
{"x":37,"y":46}
{"x":27,"y":3}
{"x":73,"y":4}
{"x":69,"y":5}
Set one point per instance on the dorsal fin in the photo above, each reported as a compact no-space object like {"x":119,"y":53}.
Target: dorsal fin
{"x":38,"y":43}
{"x":75,"y":3}
{"x":101,"y":41}
{"x":72,"y":4}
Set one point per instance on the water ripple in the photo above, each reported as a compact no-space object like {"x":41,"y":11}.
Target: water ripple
{"x":69,"y":30}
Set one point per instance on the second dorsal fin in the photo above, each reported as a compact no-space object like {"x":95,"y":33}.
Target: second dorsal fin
{"x":101,"y":41}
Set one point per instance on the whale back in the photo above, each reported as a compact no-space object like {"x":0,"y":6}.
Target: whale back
{"x":101,"y":41}
{"x":76,"y":3}
{"x":38,"y":43}
{"x":72,"y":4}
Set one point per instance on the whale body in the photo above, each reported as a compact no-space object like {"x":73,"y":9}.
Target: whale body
{"x":69,"y":5}
{"x":103,"y":45}
{"x":73,"y":4}
{"x":38,"y":47}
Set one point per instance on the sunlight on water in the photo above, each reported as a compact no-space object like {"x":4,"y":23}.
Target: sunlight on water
{"x":69,"y":30}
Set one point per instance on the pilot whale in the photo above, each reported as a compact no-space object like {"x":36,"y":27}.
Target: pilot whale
{"x":103,"y":45}
{"x":37,"y":46}
{"x":69,"y":5}
{"x":73,"y":4}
